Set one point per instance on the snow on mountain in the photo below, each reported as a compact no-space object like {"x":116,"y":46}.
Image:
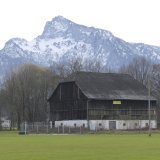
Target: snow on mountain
{"x":63,"y":39}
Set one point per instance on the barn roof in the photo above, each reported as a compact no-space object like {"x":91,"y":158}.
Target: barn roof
{"x":109,"y":86}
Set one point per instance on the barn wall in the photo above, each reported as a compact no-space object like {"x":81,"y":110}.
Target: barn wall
{"x":121,"y":124}
{"x":72,"y":123}
{"x":105,"y":124}
{"x":135,"y":124}
{"x":68,"y":103}
{"x":127,"y":110}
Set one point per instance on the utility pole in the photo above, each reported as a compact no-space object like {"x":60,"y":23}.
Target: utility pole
{"x":25,"y":127}
{"x":88,"y":114}
{"x":149,"y":107}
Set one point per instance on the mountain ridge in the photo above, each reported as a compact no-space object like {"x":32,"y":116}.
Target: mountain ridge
{"x":62,"y":40}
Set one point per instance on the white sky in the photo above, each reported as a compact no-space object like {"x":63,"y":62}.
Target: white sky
{"x":131,"y":20}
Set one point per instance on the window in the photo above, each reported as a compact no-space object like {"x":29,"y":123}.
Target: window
{"x":124,"y":124}
{"x":100,"y":124}
{"x":75,"y":125}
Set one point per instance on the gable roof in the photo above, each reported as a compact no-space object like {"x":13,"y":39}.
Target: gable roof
{"x":109,"y":86}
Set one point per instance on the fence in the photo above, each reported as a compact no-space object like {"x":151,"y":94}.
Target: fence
{"x":38,"y":128}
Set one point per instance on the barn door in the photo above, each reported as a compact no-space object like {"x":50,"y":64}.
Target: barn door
{"x":112,"y":125}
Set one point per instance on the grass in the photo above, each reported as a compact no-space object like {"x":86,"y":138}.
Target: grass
{"x":79,"y":147}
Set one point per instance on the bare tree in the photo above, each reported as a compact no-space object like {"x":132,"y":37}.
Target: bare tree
{"x":26,"y":90}
{"x":156,"y":87}
{"x":94,"y":65}
{"x":139,"y":68}
{"x":74,"y":64}
{"x":156,"y":82}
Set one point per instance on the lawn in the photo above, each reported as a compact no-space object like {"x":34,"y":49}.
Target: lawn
{"x":79,"y":147}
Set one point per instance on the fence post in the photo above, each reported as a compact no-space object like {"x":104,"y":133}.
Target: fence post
{"x":47,"y":127}
{"x":58,"y":129}
{"x":37,"y":128}
{"x":63,"y":129}
{"x":50,"y":124}
{"x":69,"y":129}
{"x":25,"y":127}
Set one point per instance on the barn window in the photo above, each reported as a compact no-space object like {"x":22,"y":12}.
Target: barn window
{"x":100,"y":124}
{"x":146,"y":124}
{"x":75,"y":125}
{"x":83,"y":125}
{"x":61,"y":124}
{"x":124,"y":124}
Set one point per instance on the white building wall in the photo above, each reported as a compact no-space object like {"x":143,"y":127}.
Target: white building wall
{"x":98,"y":124}
{"x":5,"y":123}
{"x":134,"y":124}
{"x":104,"y":124}
{"x":71,"y":123}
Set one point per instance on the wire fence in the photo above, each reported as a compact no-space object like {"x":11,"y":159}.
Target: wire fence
{"x":37,"y":128}
{"x":43,"y":128}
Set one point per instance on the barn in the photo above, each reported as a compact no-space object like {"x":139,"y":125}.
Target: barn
{"x":101,"y":101}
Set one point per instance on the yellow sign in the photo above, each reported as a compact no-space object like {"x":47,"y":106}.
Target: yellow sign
{"x":116,"y":102}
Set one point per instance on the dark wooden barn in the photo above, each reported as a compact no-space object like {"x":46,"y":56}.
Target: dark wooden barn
{"x":102,"y":97}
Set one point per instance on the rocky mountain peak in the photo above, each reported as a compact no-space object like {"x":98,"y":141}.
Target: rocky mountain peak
{"x":63,"y":40}
{"x":56,"y":27}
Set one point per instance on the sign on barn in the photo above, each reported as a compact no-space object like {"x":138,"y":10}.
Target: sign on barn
{"x":116,"y":102}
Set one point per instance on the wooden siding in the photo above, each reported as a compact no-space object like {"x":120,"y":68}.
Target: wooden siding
{"x":69,"y":103}
{"x":127,"y":110}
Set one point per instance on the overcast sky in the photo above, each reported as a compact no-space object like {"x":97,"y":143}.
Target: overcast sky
{"x":131,"y":20}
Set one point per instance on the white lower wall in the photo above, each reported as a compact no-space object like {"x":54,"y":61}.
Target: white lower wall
{"x":135,"y":124}
{"x":5,"y":123}
{"x":104,"y":124}
{"x":99,"y":124}
{"x":71,"y":123}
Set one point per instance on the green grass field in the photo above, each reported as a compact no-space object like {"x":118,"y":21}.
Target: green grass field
{"x":79,"y":147}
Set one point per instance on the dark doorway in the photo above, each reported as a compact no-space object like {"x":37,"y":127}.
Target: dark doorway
{"x":112,"y":125}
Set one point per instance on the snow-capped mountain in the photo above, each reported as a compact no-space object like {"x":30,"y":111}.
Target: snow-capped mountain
{"x":63,"y":39}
